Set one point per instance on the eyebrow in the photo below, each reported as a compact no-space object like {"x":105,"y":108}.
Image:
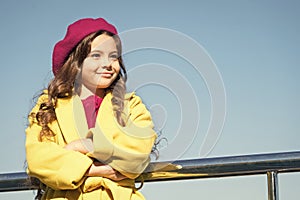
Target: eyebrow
{"x":95,"y":50}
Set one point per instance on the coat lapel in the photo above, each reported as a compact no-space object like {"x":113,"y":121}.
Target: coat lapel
{"x":71,"y":118}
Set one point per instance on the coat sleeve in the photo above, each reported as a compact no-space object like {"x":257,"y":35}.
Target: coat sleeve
{"x":51,"y":163}
{"x":128,"y":150}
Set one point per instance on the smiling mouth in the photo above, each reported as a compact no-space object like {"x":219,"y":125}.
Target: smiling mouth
{"x":106,"y":74}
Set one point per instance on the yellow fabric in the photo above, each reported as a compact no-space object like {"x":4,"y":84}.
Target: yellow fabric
{"x":125,"y":149}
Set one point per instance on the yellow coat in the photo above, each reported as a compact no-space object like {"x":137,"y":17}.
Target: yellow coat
{"x":126,"y":149}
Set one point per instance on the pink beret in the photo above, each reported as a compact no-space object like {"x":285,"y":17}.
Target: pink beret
{"x":75,"y":33}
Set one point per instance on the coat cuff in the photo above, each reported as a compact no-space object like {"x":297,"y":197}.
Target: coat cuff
{"x":103,"y":148}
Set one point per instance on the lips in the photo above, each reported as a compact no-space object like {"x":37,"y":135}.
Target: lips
{"x":106,"y":74}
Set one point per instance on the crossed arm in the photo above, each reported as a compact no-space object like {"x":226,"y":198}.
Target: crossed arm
{"x":97,"y":168}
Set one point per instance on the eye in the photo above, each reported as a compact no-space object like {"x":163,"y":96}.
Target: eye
{"x":95,"y":55}
{"x":114,"y":56}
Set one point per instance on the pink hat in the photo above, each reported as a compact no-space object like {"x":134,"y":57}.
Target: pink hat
{"x":75,"y":33}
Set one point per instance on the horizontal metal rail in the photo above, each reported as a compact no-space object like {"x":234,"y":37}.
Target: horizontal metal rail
{"x":270,"y":164}
{"x":224,"y":166}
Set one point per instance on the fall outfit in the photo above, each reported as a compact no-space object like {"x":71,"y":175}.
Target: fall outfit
{"x":126,"y":149}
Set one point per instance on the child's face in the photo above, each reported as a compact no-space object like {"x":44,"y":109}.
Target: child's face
{"x":101,"y":67}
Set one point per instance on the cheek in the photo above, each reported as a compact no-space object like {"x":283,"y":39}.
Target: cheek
{"x":116,"y":66}
{"x":89,"y":64}
{"x":86,"y":70}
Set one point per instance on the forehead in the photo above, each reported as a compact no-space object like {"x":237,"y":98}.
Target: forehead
{"x":104,"y":43}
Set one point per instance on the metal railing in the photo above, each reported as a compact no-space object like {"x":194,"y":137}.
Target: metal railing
{"x":270,"y":164}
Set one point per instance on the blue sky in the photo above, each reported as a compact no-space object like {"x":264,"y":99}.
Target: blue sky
{"x":253,"y":44}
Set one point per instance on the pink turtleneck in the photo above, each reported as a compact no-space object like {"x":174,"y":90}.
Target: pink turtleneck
{"x":91,"y":107}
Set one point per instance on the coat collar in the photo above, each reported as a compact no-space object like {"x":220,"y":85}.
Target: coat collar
{"x":72,"y":120}
{"x":71,"y":117}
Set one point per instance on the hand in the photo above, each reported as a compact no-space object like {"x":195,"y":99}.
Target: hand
{"x":81,"y":145}
{"x":100,"y":169}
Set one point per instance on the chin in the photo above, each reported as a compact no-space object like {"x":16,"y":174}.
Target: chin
{"x":103,"y":86}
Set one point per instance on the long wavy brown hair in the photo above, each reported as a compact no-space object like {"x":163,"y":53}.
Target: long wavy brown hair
{"x":65,"y":84}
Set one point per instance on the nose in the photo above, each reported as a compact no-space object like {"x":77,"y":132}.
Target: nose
{"x":105,"y":63}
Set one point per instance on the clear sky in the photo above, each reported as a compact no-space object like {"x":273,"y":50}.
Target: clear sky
{"x":246,"y":51}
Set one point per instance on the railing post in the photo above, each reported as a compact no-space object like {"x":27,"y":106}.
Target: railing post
{"x":272,"y":185}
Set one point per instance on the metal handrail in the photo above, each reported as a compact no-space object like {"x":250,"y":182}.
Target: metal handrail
{"x":270,"y":164}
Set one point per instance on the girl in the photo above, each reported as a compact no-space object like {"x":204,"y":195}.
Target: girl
{"x":86,"y":138}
